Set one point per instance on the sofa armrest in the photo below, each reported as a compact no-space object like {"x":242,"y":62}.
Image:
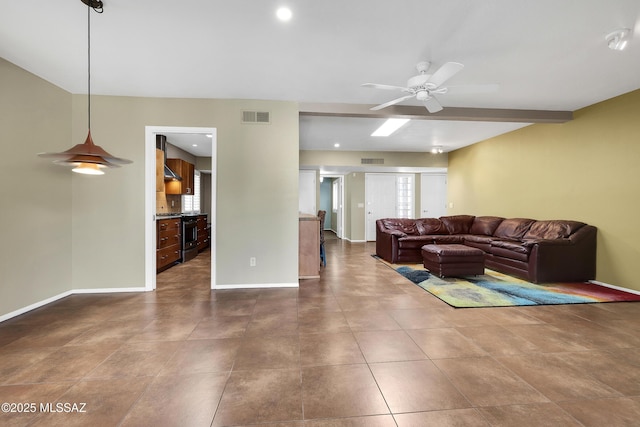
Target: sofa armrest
{"x":565,"y":260}
{"x":387,"y":244}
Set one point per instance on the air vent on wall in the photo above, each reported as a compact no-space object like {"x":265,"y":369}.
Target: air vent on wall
{"x":256,"y":117}
{"x":372,"y":161}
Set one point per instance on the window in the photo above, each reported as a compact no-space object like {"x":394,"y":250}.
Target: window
{"x":192,"y":203}
{"x":404,"y":196}
{"x":335,"y":202}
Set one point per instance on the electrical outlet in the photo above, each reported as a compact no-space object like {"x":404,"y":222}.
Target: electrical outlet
{"x":252,"y":261}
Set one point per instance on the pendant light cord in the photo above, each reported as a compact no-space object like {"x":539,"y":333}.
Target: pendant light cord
{"x":98,"y":7}
{"x":89,"y":65}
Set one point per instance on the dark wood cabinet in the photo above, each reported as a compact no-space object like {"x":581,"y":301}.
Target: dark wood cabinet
{"x":169,"y":238}
{"x":159,"y":170}
{"x":203,"y":232}
{"x":185,"y":170}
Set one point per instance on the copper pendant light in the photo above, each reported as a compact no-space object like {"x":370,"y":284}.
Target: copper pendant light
{"x":88,"y":158}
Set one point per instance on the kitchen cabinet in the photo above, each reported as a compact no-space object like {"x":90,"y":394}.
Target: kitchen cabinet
{"x":169,"y":242}
{"x":185,"y":170}
{"x":203,"y":232}
{"x":159,"y":170}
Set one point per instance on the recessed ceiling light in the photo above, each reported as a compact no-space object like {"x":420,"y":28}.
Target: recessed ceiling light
{"x":389,"y":127}
{"x":194,"y":145}
{"x":284,"y":14}
{"x":437,"y":149}
{"x":336,"y":145}
{"x":209,"y":135}
{"x":619,"y":39}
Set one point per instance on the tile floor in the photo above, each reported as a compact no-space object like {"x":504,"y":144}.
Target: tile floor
{"x":359,"y":347}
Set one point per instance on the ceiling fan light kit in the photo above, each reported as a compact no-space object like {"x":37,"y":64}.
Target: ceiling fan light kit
{"x":88,"y":158}
{"x":619,"y":39}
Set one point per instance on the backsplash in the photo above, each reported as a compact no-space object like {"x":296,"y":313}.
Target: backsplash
{"x":164,"y":203}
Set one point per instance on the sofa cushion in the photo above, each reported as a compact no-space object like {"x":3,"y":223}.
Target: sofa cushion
{"x":430,"y":226}
{"x":485,"y":225}
{"x":550,"y":230}
{"x":510,"y":249}
{"x":511,"y":245}
{"x":413,"y":242}
{"x":447,"y":239}
{"x":480,"y":242}
{"x":513,"y":228}
{"x":474,"y":238}
{"x":407,"y":226}
{"x":457,"y":224}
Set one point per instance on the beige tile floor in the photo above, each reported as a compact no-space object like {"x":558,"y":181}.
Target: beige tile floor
{"x":359,"y":347}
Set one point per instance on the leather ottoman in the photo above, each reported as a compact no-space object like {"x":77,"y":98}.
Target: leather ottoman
{"x":452,"y":260}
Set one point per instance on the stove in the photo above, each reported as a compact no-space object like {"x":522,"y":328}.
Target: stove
{"x":189,"y":237}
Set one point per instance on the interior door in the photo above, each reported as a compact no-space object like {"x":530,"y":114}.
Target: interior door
{"x":433,"y":195}
{"x":380,"y":200}
{"x":338,"y":192}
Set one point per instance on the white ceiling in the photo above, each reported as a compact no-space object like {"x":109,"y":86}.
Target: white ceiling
{"x":542,"y":55}
{"x":321,"y":133}
{"x":197,"y":144}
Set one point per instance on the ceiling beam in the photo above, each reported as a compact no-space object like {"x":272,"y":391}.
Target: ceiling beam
{"x":449,"y":113}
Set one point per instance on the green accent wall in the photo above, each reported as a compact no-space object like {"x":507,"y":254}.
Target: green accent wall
{"x":586,"y":170}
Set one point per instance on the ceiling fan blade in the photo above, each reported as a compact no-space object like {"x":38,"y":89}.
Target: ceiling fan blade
{"x":386,"y":87}
{"x":432,"y":105}
{"x":393,"y":102}
{"x":444,"y":73}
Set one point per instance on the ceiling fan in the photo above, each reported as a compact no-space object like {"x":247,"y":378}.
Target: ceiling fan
{"x":423,"y":86}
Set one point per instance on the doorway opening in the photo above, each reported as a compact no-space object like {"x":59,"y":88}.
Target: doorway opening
{"x":150,"y":196}
{"x":332,"y":201}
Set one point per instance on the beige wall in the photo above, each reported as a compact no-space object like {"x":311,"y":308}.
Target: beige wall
{"x":87,"y":232}
{"x":586,"y":170}
{"x":354,"y":214}
{"x":257,"y":185}
{"x":353,"y":158}
{"x":35,"y":219}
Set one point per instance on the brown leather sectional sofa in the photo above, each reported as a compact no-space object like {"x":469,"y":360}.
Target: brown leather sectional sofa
{"x":537,"y":251}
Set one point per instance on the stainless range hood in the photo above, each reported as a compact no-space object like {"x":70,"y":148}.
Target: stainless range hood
{"x":161,"y":144}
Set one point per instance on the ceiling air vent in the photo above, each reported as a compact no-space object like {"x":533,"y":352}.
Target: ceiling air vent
{"x":372,"y":161}
{"x":256,"y":117}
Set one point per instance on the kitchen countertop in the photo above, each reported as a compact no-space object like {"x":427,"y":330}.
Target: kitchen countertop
{"x":177,"y":215}
{"x":168,"y":216}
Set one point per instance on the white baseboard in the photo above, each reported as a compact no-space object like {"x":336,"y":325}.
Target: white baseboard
{"x":54,"y":298}
{"x":258,"y":286}
{"x":619,"y":288}
{"x":107,"y":290}
{"x":33,"y":306}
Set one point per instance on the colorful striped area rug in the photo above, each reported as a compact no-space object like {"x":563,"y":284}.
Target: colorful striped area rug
{"x":494,"y":289}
